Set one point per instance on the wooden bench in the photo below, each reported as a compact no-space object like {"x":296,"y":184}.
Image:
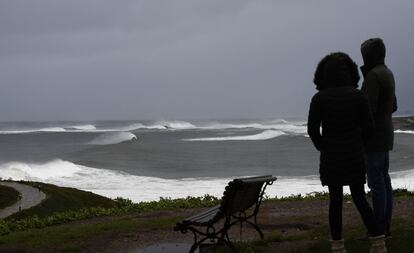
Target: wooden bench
{"x":240,"y":203}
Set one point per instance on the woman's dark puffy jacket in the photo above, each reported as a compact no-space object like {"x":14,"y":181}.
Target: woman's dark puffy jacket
{"x":343,"y":114}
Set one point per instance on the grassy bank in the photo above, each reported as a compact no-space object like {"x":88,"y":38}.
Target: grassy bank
{"x":8,"y":196}
{"x":61,"y":199}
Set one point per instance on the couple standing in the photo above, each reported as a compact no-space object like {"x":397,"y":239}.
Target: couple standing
{"x":356,"y":137}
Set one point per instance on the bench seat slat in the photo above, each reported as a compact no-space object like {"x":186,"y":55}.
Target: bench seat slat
{"x":207,"y":212}
{"x":203,"y":217}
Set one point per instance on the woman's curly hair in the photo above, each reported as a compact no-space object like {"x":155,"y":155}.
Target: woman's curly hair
{"x":336,"y":69}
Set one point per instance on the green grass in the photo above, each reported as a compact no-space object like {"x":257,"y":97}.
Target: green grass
{"x":72,"y":237}
{"x":401,"y":193}
{"x":402,"y":241}
{"x":8,"y":196}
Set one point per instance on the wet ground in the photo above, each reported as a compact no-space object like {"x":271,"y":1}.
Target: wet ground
{"x":165,"y":248}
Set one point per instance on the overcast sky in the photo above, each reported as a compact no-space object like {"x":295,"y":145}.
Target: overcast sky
{"x":173,"y":59}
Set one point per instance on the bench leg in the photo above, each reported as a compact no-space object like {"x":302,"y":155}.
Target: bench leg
{"x":223,"y":239}
{"x":195,"y":244}
{"x":225,"y":236}
{"x":254,"y":224}
{"x":228,"y":243}
{"x":193,"y":248}
{"x":257,"y":229}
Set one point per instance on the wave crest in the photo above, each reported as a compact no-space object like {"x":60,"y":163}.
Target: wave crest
{"x":35,"y":172}
{"x":83,"y":127}
{"x":279,"y":125}
{"x":113,"y":138}
{"x":176,"y":124}
{"x":265,"y":135}
{"x":404,"y":131}
{"x":142,"y":126}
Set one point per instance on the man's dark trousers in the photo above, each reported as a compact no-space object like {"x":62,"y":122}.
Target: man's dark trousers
{"x":379,"y":182}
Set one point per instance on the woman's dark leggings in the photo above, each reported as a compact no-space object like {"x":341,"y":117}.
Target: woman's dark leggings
{"x":360,"y":201}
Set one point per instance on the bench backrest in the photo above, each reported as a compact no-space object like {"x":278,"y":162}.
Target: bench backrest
{"x":242,"y":193}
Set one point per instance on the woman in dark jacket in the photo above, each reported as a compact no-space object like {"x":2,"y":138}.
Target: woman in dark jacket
{"x":342,"y":113}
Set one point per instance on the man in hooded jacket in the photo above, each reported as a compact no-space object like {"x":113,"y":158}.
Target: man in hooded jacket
{"x":379,"y":86}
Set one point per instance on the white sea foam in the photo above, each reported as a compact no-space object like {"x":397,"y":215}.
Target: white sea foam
{"x":290,"y":128}
{"x":280,"y":125}
{"x":17,"y":131}
{"x":404,"y":131}
{"x":24,"y":131}
{"x":113,"y":138}
{"x":80,"y":128}
{"x":295,"y":128}
{"x":265,"y":135}
{"x":52,"y":129}
{"x":218,"y":125}
{"x":41,"y":172}
{"x":142,"y":126}
{"x":183,"y":125}
{"x":138,"y":188}
{"x":83,"y":127}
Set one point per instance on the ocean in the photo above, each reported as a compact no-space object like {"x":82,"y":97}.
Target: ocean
{"x":146,"y":160}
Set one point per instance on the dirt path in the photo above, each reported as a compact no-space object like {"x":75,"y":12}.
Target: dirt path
{"x":30,"y":197}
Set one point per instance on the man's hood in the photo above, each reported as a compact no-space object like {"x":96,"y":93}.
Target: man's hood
{"x":373,"y":53}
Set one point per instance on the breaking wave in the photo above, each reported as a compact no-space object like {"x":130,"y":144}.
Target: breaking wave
{"x":279,"y":124}
{"x":162,"y":125}
{"x":137,"y":126}
{"x":404,"y":131}
{"x":46,"y":129}
{"x":82,"y":127}
{"x":114,"y":184}
{"x":295,"y":128}
{"x":38,"y":172}
{"x":265,"y":135}
{"x":52,"y":129}
{"x":176,"y":124}
{"x":113,"y":138}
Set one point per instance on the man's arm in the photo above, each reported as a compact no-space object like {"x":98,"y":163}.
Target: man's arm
{"x":367,"y":121}
{"x":395,"y":106}
{"x":371,"y":90}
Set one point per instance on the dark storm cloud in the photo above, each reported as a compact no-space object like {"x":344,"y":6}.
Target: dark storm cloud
{"x":184,"y":59}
